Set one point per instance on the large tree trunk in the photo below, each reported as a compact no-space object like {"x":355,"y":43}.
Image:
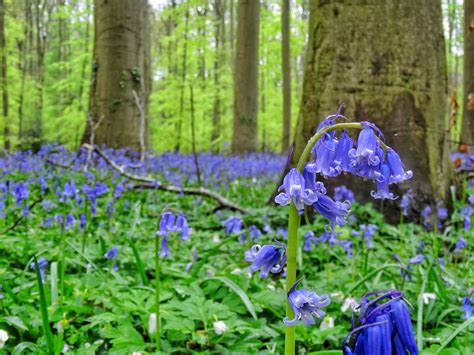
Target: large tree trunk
{"x":467,"y":133}
{"x":386,"y":62}
{"x":245,"y":134}
{"x":286,"y":71}
{"x":121,"y":66}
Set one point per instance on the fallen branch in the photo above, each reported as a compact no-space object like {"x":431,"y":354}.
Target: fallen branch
{"x":147,"y":182}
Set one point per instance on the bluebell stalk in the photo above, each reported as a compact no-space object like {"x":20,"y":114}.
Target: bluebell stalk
{"x":333,"y":156}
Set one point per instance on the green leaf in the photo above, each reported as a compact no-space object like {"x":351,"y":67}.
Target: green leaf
{"x":241,"y":293}
{"x":16,"y":322}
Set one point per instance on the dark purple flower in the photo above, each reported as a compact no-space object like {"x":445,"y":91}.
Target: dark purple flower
{"x":305,"y":304}
{"x":295,"y":190}
{"x":268,"y":258}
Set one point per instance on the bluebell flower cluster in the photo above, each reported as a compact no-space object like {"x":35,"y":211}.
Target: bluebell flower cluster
{"x":172,"y":224}
{"x":466,"y":307}
{"x":343,"y":193}
{"x":112,"y":254}
{"x":306,"y":305}
{"x":406,"y":201}
{"x":268,"y":258}
{"x":384,"y":326}
{"x":367,"y":231}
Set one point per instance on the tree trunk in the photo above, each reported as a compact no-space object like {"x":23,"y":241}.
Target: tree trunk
{"x":6,"y":128}
{"x":218,"y":58}
{"x":121,"y":66}
{"x":286,"y":71}
{"x":389,"y":68}
{"x":179,"y":124}
{"x":245,"y":134}
{"x":467,"y":132}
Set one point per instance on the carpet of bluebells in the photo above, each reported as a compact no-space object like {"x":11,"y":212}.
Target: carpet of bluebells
{"x":77,"y":242}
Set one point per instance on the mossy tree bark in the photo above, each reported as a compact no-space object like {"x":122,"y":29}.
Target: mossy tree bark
{"x":467,"y":133}
{"x":245,"y":134}
{"x":121,"y":66}
{"x":385,"y":61}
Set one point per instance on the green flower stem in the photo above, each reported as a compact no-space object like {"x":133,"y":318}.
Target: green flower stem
{"x":157,"y":291}
{"x":293,"y":224}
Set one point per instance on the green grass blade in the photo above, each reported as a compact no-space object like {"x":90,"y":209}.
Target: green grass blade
{"x":139,"y":262}
{"x":44,"y":310}
{"x":459,"y":329}
{"x":241,"y":293}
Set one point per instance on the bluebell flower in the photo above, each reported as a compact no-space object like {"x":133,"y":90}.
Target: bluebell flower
{"x":325,"y":153}
{"x":282,"y":232}
{"x":233,"y":225}
{"x":347,"y":246}
{"x":335,"y":211}
{"x":166,"y":224}
{"x":342,"y":193}
{"x":182,"y":227}
{"x":309,"y":239}
{"x":342,"y":159}
{"x":82,"y":221}
{"x":397,"y":170}
{"x":383,"y":185}
{"x":42,"y":264}
{"x":426,"y":217}
{"x":366,"y":147}
{"x":417,"y":259}
{"x":405,"y":202}
{"x":466,"y":212}
{"x":467,"y":307}
{"x":461,"y":244}
{"x":384,"y":326}
{"x":367,"y":231}
{"x":21,"y":192}
{"x":254,"y":232}
{"x":331,"y":119}
{"x":442,"y":211}
{"x":164,"y":250}
{"x":112,"y":253}
{"x":471,"y":199}
{"x":305,"y":305}
{"x":311,"y":183}
{"x":295,"y":190}
{"x":268,"y":258}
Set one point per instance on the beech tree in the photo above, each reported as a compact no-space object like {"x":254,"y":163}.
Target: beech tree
{"x":245,"y":134}
{"x":387,"y":63}
{"x":120,"y":83}
{"x":467,"y":132}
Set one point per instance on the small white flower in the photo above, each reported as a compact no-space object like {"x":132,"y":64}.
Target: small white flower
{"x":215,"y":238}
{"x":271,"y":287}
{"x":137,"y":353}
{"x":220,"y":327}
{"x":152,"y":323}
{"x":328,"y":322}
{"x":236,"y":271}
{"x":349,"y":302}
{"x":427,"y":297}
{"x":3,"y":338}
{"x":65,"y":349}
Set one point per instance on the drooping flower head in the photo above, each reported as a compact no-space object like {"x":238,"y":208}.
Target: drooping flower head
{"x":343,"y":193}
{"x":233,"y":225}
{"x":467,"y":307}
{"x":170,"y":224}
{"x":335,"y":211}
{"x":268,"y":258}
{"x":295,"y":190}
{"x":384,"y":326}
{"x":112,"y":253}
{"x":305,"y":305}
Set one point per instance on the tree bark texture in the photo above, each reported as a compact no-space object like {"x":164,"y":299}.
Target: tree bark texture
{"x":467,"y":132}
{"x":286,"y":71}
{"x":3,"y":47}
{"x":245,"y":133}
{"x":121,"y":66}
{"x":386,"y":61}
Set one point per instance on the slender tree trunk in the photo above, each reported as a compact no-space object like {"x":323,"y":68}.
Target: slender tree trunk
{"x":372,"y":64}
{"x":245,"y":134}
{"x":263,"y":109}
{"x":218,"y":26}
{"x":6,"y":128}
{"x":231,"y":33}
{"x":86,"y":50}
{"x":183,"y":81}
{"x":40,"y":27}
{"x":121,"y":66}
{"x":286,"y":71}
{"x":467,"y":133}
